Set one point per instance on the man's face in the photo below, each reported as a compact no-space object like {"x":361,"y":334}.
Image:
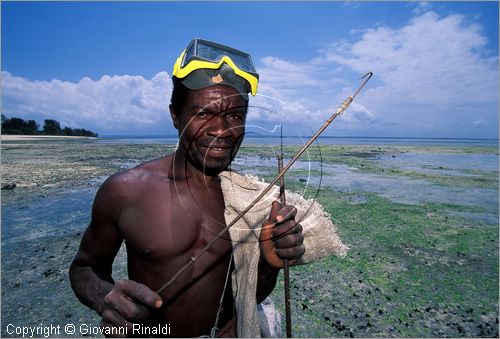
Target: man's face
{"x":211,"y":127}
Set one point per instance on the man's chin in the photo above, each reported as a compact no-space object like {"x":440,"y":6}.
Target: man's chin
{"x":213,"y":168}
{"x":217,"y":159}
{"x":212,"y":161}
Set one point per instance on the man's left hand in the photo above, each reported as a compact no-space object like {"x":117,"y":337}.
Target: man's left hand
{"x":281,"y":236}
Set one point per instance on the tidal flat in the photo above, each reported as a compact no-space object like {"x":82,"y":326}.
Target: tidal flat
{"x":421,"y":222}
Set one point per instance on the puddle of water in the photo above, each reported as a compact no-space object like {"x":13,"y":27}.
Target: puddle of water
{"x":481,"y":217}
{"x":447,"y":164}
{"x":60,"y":212}
{"x":409,"y":191}
{"x":401,"y":189}
{"x":254,"y":161}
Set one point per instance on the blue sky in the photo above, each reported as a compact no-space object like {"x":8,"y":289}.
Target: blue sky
{"x":106,"y":66}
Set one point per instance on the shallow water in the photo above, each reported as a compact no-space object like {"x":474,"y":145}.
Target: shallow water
{"x":250,"y":162}
{"x":448,"y":164}
{"x":399,"y":189}
{"x":481,"y":217}
{"x":409,"y":191}
{"x":59,"y":212}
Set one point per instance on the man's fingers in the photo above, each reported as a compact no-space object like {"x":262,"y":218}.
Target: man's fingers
{"x":128,"y":302}
{"x":281,"y":236}
{"x":289,"y":227}
{"x":140,"y":292}
{"x":286,"y":213}
{"x":293,"y":253}
{"x":289,"y":241}
{"x":126,"y":307}
{"x":275,"y":209}
{"x":281,"y":213}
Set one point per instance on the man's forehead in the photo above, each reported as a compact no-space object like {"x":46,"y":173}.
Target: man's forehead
{"x":216,"y":96}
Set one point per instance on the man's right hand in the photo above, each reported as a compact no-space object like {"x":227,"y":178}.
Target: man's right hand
{"x":128,"y":302}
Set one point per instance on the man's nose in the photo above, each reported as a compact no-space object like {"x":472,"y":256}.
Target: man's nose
{"x":218,"y":127}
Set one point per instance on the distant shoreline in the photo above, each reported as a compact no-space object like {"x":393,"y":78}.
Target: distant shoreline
{"x":267,"y":140}
{"x":22,"y":137}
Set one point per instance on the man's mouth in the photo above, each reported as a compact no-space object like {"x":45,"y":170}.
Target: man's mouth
{"x":217,"y":148}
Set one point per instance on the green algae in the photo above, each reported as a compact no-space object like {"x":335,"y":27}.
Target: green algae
{"x":411,"y":271}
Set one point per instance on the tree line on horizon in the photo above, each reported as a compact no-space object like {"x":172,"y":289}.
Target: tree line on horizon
{"x":50,"y":127}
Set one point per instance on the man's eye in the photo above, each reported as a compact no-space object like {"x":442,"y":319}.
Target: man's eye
{"x":235,"y":116}
{"x":202,"y":115}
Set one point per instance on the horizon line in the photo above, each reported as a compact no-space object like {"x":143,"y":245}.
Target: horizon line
{"x":157,"y":136}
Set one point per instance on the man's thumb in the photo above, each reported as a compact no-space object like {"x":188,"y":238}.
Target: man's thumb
{"x":266,"y":245}
{"x":275,"y":208}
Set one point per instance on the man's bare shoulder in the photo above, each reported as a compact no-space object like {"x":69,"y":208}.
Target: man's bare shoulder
{"x":133,"y":181}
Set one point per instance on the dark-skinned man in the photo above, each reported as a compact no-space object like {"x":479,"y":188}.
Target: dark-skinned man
{"x":166,"y":210}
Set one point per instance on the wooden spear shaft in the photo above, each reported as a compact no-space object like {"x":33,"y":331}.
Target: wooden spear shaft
{"x":338,"y":112}
{"x":286,"y":264}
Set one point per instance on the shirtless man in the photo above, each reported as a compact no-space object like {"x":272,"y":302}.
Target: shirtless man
{"x":167,"y":209}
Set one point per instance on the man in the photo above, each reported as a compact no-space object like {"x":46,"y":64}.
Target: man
{"x":166,"y":210}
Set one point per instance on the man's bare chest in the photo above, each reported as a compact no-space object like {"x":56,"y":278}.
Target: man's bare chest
{"x":173,"y":220}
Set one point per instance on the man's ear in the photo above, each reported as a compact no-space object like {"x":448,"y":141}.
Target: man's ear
{"x":174,"y":116}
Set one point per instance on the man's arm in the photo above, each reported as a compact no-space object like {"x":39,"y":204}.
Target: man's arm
{"x":126,"y":301}
{"x":280,"y":238}
{"x":90,"y":271}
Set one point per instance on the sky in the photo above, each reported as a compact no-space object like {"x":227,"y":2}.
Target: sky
{"x":106,"y":66}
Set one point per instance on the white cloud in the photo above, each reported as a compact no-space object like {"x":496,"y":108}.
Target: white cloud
{"x":430,"y":59}
{"x":358,"y":113}
{"x":296,"y":87}
{"x":430,"y":74}
{"x":114,"y":104}
{"x":297,"y":74}
{"x":433,"y":76}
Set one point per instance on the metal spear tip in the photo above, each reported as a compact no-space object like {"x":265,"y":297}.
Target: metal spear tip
{"x":368,"y":76}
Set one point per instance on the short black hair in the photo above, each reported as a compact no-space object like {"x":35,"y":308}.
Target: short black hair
{"x":180,"y":94}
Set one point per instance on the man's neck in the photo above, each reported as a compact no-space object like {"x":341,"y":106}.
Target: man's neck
{"x":182,"y":169}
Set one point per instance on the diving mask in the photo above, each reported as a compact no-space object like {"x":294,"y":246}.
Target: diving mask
{"x":205,"y":63}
